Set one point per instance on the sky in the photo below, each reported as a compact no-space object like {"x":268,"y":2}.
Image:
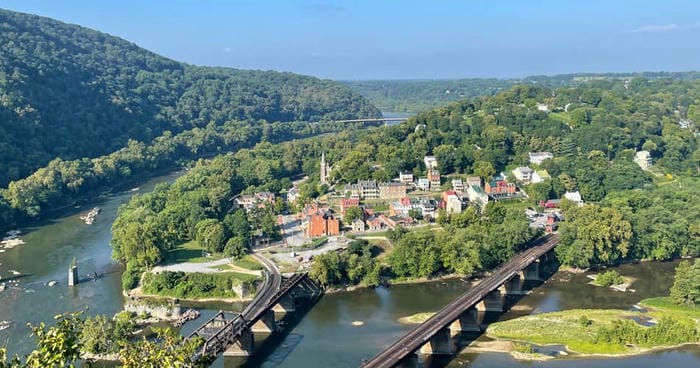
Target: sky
{"x":401,"y":39}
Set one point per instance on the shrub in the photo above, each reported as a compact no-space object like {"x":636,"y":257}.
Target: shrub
{"x":609,"y":278}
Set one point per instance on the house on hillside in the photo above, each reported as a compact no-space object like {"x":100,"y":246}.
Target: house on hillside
{"x":458,"y":185}
{"x":473,"y":180}
{"x":430,"y":162}
{"x":358,"y":225}
{"x":406,"y":177}
{"x":643,"y":159}
{"x":346,"y":203}
{"x":452,"y":201}
{"x":392,"y":190}
{"x":523,"y":174}
{"x":434,"y":179}
{"x":574,"y":197}
{"x":540,"y":175}
{"x":536,"y":158}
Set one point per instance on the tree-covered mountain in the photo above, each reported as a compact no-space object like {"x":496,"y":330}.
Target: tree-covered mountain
{"x":71,"y":92}
{"x":421,"y":95}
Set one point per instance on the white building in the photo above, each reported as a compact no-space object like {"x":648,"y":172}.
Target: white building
{"x":406,"y":177}
{"x":430,"y":162}
{"x":542,"y":107}
{"x":473,"y":180}
{"x":540,"y":176}
{"x":458,"y":185}
{"x":574,"y":197}
{"x":523,"y":174}
{"x":537,"y":157}
{"x":477,"y":195}
{"x":423,"y":184}
{"x":643,"y":159}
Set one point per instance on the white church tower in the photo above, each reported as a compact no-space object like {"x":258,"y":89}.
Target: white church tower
{"x":325,"y":169}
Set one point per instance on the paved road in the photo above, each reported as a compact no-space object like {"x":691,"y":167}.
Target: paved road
{"x":204,"y":267}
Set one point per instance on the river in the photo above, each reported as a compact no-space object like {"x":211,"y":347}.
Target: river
{"x":326,"y":335}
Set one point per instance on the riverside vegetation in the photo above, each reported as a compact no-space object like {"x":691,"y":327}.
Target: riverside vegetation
{"x":664,"y":322}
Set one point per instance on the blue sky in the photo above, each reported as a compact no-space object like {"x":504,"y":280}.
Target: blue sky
{"x":395,"y":39}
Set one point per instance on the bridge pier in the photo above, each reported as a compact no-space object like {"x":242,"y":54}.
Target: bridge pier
{"x":266,"y":323}
{"x":286,"y":304}
{"x":410,"y":361}
{"x":244,"y":345}
{"x":439,"y":344}
{"x":532,"y":272}
{"x":493,"y":301}
{"x":468,"y":321}
{"x":514,"y":286}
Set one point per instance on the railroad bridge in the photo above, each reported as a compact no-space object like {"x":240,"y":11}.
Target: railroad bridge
{"x":435,"y":336}
{"x":233,"y":335}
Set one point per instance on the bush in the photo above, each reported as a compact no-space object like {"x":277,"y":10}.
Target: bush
{"x":609,"y":278}
{"x":130,"y":278}
{"x":194,"y":285}
{"x":585,"y":321}
{"x":524,"y":348}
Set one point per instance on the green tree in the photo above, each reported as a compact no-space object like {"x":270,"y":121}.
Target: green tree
{"x":686,"y":285}
{"x":352,"y":214}
{"x":235,"y":247}
{"x":210,"y":234}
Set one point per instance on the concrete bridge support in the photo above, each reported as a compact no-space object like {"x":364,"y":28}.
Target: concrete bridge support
{"x":410,"y":361}
{"x":286,"y":304}
{"x":469,"y":321}
{"x":266,"y":323}
{"x":440,"y":343}
{"x":493,"y":301}
{"x":532,"y":272}
{"x":243,"y":346}
{"x":514,"y":286}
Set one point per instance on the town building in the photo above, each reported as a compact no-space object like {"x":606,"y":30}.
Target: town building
{"x":403,"y":206}
{"x":539,"y":176}
{"x":248,"y":201}
{"x":423,"y":184}
{"x":523,"y":174}
{"x":452,"y":201}
{"x":574,"y":197}
{"x":643,"y":159}
{"x":346,"y":203}
{"x":499,"y":187}
{"x":685,"y":123}
{"x":537,"y":157}
{"x":434,"y":179}
{"x":358,"y":225}
{"x":392,"y":190}
{"x":322,"y":224}
{"x":430,"y":162}
{"x":406,"y":177}
{"x":542,"y":107}
{"x":473,"y":180}
{"x":458,"y":185}
{"x":477,"y":195}
{"x":366,"y":189}
{"x":552,"y":223}
{"x":292,"y":195}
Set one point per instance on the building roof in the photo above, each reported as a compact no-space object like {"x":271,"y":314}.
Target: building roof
{"x":573,"y":196}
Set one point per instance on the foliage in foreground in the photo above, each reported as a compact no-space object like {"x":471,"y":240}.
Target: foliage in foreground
{"x":61,"y":346}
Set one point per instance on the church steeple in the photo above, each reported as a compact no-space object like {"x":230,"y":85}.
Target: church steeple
{"x":324,"y":169}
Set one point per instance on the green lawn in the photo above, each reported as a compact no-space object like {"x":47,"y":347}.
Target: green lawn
{"x":189,"y":252}
{"x":566,"y":328}
{"x":249,"y":263}
{"x":563,"y":328}
{"x":561,"y":116}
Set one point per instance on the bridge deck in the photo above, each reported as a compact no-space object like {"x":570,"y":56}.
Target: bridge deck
{"x":412,"y":341}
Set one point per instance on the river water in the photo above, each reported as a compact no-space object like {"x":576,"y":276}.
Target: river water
{"x":326,"y":335}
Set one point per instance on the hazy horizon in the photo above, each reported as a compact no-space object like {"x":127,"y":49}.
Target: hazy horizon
{"x":399,"y":40}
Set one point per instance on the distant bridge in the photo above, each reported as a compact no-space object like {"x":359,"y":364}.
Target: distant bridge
{"x":371,"y":120}
{"x":230,"y":334}
{"x":434,"y":336}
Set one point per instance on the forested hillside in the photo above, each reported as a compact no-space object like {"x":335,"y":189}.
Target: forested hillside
{"x":421,"y":95}
{"x":71,"y":92}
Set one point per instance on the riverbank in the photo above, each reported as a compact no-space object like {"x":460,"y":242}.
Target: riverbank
{"x":580,"y":330}
{"x":421,"y":280}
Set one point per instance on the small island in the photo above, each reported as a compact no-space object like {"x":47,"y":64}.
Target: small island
{"x":653,"y":324}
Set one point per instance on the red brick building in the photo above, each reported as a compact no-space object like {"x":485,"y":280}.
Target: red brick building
{"x":322,"y":225}
{"x":346,"y":203}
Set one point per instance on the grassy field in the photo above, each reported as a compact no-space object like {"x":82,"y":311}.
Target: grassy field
{"x":191,"y":251}
{"x":568,"y":327}
{"x":249,"y":263}
{"x":561,"y":116}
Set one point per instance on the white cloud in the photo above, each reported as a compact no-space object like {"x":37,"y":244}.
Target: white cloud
{"x":655,"y":28}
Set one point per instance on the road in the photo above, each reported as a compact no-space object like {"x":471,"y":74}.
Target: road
{"x":413,"y":340}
